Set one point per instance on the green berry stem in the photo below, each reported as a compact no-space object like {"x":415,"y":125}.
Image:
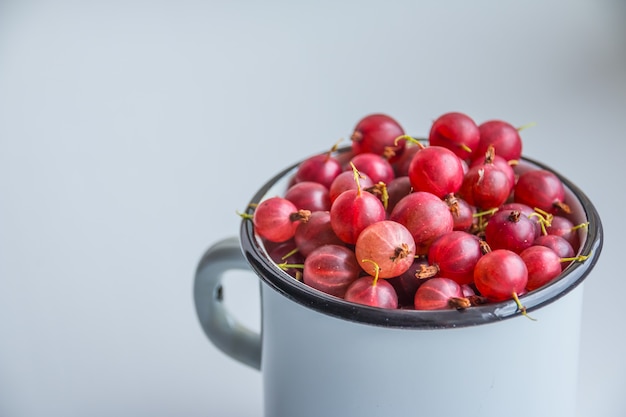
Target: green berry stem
{"x":409,"y":139}
{"x":521,"y":307}
{"x":376,"y":269}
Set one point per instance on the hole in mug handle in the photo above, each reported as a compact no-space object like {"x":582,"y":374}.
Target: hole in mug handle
{"x":221,"y":327}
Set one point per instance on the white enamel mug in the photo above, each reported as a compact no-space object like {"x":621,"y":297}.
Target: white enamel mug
{"x":323,"y":356}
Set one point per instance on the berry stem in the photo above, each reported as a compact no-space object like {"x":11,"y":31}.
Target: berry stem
{"x":545,"y":219}
{"x":580,"y":226}
{"x":285,"y":266}
{"x":333,"y":149}
{"x":376,"y":270}
{"x":513,"y":162}
{"x":246,"y":216}
{"x":486,"y":212}
{"x":409,"y":139}
{"x":288,"y":254}
{"x":380,"y":190}
{"x":526,"y":126}
{"x":357,"y":175}
{"x":521,"y":307}
{"x":579,"y":258}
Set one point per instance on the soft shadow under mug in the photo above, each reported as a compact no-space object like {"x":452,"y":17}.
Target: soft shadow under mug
{"x":323,"y":356}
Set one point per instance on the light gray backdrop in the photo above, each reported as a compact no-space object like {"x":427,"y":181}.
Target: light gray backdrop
{"x":132,"y":131}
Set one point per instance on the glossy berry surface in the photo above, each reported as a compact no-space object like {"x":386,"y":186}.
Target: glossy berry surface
{"x":376,"y":133}
{"x":276,"y":219}
{"x":309,"y":195}
{"x":543,"y":266}
{"x":316,"y":232}
{"x":510,"y":230}
{"x":486,"y":186}
{"x":376,"y":167}
{"x":331,"y":269}
{"x":436,"y":170}
{"x":426,"y":216}
{"x":457,"y":132}
{"x":354,"y":210}
{"x":345,"y":181}
{"x":455,"y":254}
{"x":372,"y":292}
{"x":321,"y":168}
{"x":438,"y":294}
{"x":503,"y":136}
{"x":541,"y":189}
{"x":388,"y":246}
{"x":500,"y":275}
{"x":558,"y":244}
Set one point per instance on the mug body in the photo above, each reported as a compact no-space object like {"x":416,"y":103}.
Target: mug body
{"x":314,"y":364}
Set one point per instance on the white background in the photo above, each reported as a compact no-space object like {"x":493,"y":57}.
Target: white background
{"x":131,"y":132}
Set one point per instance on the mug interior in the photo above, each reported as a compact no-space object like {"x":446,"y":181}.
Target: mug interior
{"x":583,"y":210}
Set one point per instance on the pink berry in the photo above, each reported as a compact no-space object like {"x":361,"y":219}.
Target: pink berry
{"x":436,"y":170}
{"x":388,"y":245}
{"x":277,"y":218}
{"x":331,"y":269}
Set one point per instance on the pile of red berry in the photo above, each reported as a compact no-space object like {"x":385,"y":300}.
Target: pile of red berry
{"x":444,"y":222}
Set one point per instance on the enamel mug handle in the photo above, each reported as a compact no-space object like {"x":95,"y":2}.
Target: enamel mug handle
{"x":221,"y":327}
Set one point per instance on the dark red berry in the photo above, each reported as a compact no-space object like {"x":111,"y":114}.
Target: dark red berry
{"x":500,"y":275}
{"x":541,"y":189}
{"x":426,"y":216}
{"x":457,"y":132}
{"x":354,"y":210}
{"x":543,"y":266}
{"x":440,"y":294}
{"x":510,"y":230}
{"x":502,"y":136}
{"x":455,"y":254}
{"x":309,"y":195}
{"x":316,"y":232}
{"x":377,"y":133}
{"x":321,"y":168}
{"x":376,"y":167}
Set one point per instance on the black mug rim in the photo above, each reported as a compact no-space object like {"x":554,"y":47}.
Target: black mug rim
{"x":316,"y":300}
